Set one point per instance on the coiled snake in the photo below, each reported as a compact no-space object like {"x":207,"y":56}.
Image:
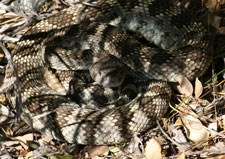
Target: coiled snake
{"x":104,"y":38}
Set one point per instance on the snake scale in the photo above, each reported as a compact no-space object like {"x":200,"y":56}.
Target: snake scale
{"x":104,"y":38}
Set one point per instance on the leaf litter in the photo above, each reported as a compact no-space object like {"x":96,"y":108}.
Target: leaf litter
{"x":194,"y":126}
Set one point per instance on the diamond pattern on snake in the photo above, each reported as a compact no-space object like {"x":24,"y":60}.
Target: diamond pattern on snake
{"x":108,"y":83}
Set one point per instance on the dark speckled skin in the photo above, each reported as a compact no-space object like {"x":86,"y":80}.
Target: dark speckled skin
{"x":79,"y":36}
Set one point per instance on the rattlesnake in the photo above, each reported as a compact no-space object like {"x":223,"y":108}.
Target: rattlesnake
{"x":88,"y":36}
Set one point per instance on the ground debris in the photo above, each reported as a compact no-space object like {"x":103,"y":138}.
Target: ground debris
{"x":194,"y":126}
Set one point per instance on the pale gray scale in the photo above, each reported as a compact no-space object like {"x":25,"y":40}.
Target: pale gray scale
{"x":160,"y":29}
{"x":154,"y":25}
{"x":157,"y":30}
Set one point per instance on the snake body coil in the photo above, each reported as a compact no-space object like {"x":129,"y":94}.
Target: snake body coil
{"x":80,"y":37}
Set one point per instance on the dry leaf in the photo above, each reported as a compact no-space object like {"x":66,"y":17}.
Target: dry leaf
{"x":194,"y":129}
{"x":4,"y":113}
{"x":95,"y":151}
{"x":153,"y":149}
{"x":220,"y":144}
{"x":29,"y":155}
{"x":185,"y":87}
{"x":198,"y":88}
{"x":24,"y":139}
{"x":10,"y":143}
{"x":2,"y":96}
{"x":217,"y":150}
{"x":46,"y":138}
{"x":181,"y":156}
